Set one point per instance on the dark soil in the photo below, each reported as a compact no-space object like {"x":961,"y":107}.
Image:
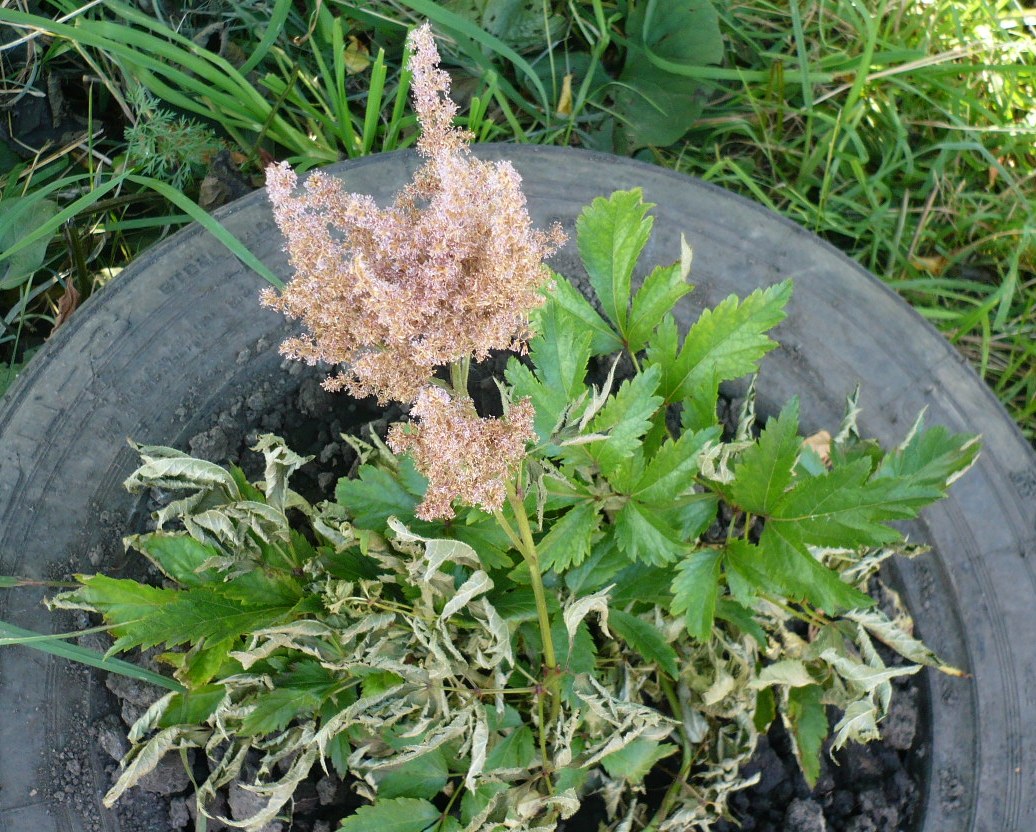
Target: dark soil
{"x":871,"y":788}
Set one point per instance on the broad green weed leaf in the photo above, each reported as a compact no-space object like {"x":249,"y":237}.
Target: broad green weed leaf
{"x":401,"y":814}
{"x":764,"y":472}
{"x":806,"y":719}
{"x":656,"y":104}
{"x":645,"y":638}
{"x":23,"y":215}
{"x":695,"y":589}
{"x":611,"y":233}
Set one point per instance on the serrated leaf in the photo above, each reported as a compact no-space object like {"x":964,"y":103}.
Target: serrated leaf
{"x":611,"y":233}
{"x":889,"y":633}
{"x":624,"y":419}
{"x":865,"y":677}
{"x":424,"y":776}
{"x":273,"y":710}
{"x":806,"y":721}
{"x":844,"y":508}
{"x":764,"y":471}
{"x":634,"y":761}
{"x":549,"y":403}
{"x":401,"y":814}
{"x":695,"y":588}
{"x":373,"y":497}
{"x":145,"y":616}
{"x":673,"y":468}
{"x":654,"y":299}
{"x":646,"y":639}
{"x":791,"y":570}
{"x":787,"y":672}
{"x":560,"y":350}
{"x":858,"y":723}
{"x":933,"y":457}
{"x":644,"y":535}
{"x":178,"y":555}
{"x":516,"y":750}
{"x":192,"y":707}
{"x":577,"y":656}
{"x":725,"y":343}
{"x":568,"y":542}
{"x":604,"y":340}
{"x":765,"y":710}
{"x":742,"y":618}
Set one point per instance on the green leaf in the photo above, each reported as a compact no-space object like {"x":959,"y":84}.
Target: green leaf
{"x":145,"y":616}
{"x":568,"y":542}
{"x":792,"y":571}
{"x":580,"y":657}
{"x":725,"y":343}
{"x":764,"y":472}
{"x":843,"y":508}
{"x":275,"y":709}
{"x":695,"y":588}
{"x":673,"y":468}
{"x":657,"y":106}
{"x":933,"y":457}
{"x":633,"y":762}
{"x":23,"y":215}
{"x":645,"y":638}
{"x":192,"y":707}
{"x":604,"y":340}
{"x":807,"y":723}
{"x":401,"y":814}
{"x":625,"y":418}
{"x":548,"y":402}
{"x":644,"y":535}
{"x":611,"y":233}
{"x":374,"y":497}
{"x":423,"y":776}
{"x":741,"y":617}
{"x":560,"y":350}
{"x":516,"y":750}
{"x":654,"y":299}
{"x":765,"y":710}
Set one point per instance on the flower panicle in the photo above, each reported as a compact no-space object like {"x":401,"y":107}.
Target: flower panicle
{"x":464,"y":456}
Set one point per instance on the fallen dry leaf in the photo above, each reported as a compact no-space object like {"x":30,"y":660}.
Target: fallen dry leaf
{"x":934,"y":265}
{"x":820,"y":444}
{"x":565,"y":100}
{"x":357,"y":55}
{"x":67,"y":304}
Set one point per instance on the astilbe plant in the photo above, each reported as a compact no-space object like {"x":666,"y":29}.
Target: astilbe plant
{"x":497,"y":617}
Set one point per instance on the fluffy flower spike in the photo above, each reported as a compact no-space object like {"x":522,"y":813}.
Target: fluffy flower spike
{"x":450,"y":270}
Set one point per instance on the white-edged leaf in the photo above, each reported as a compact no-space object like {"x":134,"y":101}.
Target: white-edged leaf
{"x":858,"y":723}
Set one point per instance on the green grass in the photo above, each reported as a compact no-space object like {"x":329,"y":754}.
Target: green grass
{"x":900,"y":131}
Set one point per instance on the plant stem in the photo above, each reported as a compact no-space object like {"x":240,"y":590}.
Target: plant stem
{"x":459,"y":375}
{"x":528,"y":551}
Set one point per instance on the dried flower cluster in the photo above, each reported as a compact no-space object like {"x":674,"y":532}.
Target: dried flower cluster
{"x":449,"y":271}
{"x":464,"y":456}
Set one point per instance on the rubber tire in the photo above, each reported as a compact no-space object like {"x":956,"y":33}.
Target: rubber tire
{"x":153,"y":355}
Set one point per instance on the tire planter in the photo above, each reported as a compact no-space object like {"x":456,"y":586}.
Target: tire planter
{"x":155,"y":355}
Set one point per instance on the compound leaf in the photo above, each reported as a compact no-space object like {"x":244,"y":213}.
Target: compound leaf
{"x":611,"y":233}
{"x":645,"y":638}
